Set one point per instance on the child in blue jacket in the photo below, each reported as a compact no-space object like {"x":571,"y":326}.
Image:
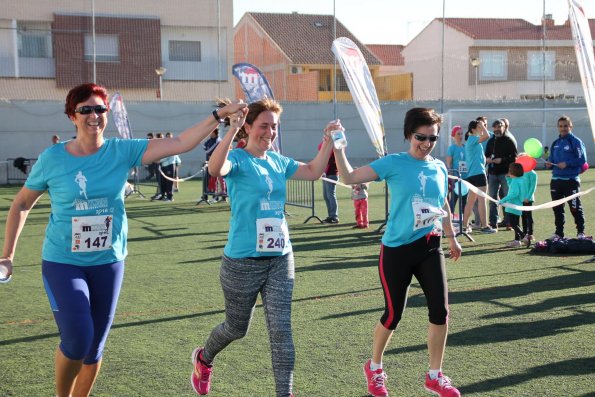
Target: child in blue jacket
{"x":516,"y":194}
{"x":530,"y":185}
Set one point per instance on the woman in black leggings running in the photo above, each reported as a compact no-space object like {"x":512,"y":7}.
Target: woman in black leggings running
{"x":419,"y":214}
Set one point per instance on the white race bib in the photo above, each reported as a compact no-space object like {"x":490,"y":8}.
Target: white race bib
{"x":271,"y":234}
{"x":92,"y":233}
{"x":463,"y":167}
{"x":426,"y":214}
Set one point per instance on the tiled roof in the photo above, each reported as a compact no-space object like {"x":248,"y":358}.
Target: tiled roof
{"x":510,"y":29}
{"x":307,"y":39}
{"x":389,"y":54}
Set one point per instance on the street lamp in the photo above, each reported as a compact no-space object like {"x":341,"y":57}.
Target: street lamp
{"x":475,"y":63}
{"x":160,"y":72}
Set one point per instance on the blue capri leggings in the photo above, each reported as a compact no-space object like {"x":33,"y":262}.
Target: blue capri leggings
{"x":83,"y":299}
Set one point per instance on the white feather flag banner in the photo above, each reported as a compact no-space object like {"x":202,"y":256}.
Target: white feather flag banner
{"x":360,"y":83}
{"x":583,"y":46}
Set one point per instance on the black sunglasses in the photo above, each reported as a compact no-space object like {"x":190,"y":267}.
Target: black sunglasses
{"x":98,"y":109}
{"x":423,"y":138}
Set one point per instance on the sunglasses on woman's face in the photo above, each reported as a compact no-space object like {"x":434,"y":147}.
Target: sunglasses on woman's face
{"x":98,"y":109}
{"x":423,"y":138}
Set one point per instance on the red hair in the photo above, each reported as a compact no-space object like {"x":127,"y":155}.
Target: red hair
{"x":81,"y":93}
{"x":455,"y":129}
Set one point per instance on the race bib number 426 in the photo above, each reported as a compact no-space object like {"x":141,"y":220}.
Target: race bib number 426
{"x":92,"y":233}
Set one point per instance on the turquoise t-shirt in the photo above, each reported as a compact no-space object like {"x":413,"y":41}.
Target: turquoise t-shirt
{"x":458,"y":159}
{"x":530,"y":185}
{"x":418,"y":191}
{"x":87,"y":224}
{"x":257,"y":189}
{"x":458,"y":154}
{"x":474,"y":156}
{"x":516,"y":193}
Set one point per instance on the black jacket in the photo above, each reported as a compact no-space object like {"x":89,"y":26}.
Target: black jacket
{"x":504,"y":148}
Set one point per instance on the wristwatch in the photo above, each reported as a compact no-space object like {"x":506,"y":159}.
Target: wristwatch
{"x":216,"y":116}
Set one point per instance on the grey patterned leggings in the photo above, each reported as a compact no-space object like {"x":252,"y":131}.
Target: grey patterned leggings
{"x":242,"y":280}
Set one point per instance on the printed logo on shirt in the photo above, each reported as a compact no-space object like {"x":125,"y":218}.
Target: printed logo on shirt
{"x":81,"y":180}
{"x":422,"y":180}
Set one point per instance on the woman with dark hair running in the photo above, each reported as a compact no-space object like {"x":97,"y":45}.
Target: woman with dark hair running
{"x":419,"y":215}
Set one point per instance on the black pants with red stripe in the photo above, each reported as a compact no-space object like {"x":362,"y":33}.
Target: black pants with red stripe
{"x":423,"y":259}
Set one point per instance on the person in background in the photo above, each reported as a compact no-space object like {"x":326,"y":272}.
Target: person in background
{"x":158,"y":192}
{"x":209,"y":146}
{"x":455,"y":159}
{"x":411,"y":245}
{"x":150,"y":167}
{"x":500,"y":152}
{"x":168,"y":165}
{"x":329,"y":189}
{"x":566,"y":159}
{"x":55,"y":139}
{"x":85,"y":243}
{"x":516,"y":194}
{"x":507,"y":131}
{"x":177,"y":164}
{"x":359,"y":195}
{"x":258,"y":257}
{"x":475,"y":158}
{"x":529,"y":187}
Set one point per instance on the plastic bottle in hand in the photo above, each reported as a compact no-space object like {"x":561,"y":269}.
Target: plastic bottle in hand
{"x":339,"y":139}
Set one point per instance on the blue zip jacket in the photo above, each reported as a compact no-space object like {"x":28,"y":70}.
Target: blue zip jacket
{"x":571,"y":150}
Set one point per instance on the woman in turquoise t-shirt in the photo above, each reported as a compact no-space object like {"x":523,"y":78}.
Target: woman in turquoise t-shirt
{"x":258,"y":257}
{"x":411,"y":246}
{"x":85,"y":244}
{"x":476,"y":173}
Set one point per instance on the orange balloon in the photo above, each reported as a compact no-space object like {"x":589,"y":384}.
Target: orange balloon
{"x":528,"y":162}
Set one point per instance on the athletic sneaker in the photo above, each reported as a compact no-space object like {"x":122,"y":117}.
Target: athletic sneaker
{"x":375,"y":380}
{"x":555,"y":237}
{"x":583,"y":236}
{"x":488,"y":230}
{"x":201,"y":375}
{"x":513,"y":244}
{"x":441,"y":386}
{"x":528,"y":240}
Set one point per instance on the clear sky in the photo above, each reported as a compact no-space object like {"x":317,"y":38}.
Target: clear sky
{"x":398,"y":21}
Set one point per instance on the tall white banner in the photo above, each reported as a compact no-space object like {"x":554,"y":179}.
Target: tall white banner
{"x":583,"y":45}
{"x":120,"y":116}
{"x":359,"y":80}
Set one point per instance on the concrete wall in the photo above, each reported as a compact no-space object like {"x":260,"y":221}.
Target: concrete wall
{"x":26,"y":127}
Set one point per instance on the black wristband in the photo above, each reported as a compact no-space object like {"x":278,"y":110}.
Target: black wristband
{"x":216,"y":116}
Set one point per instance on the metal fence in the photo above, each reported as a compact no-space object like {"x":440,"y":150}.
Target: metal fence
{"x":17,"y":169}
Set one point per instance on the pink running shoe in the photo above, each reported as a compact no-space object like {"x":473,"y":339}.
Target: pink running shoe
{"x":201,"y":375}
{"x":375,"y":381}
{"x":441,"y":386}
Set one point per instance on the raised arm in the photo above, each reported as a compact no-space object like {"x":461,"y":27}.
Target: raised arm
{"x":219,"y":165}
{"x":315,"y":168}
{"x":15,"y":221}
{"x":189,"y":138}
{"x":350,"y":176}
{"x":483,"y":133}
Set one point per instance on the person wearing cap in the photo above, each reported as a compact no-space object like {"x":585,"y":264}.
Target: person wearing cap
{"x":500,"y":152}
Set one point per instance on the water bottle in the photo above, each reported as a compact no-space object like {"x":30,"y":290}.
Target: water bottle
{"x":339,"y":139}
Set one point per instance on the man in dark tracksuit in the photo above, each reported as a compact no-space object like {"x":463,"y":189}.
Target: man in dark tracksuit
{"x":500,"y":152}
{"x":567,"y":157}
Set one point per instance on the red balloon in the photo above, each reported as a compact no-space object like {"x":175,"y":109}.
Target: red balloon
{"x":528,"y":162}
